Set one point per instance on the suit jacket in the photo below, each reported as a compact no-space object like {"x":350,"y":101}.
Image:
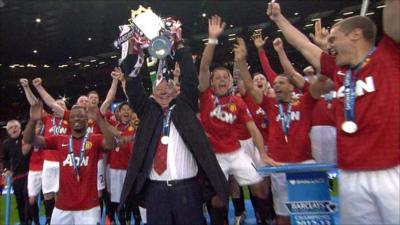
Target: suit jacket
{"x":188,"y":126}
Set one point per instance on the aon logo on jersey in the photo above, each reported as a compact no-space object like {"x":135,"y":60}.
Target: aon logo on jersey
{"x":295,"y":116}
{"x":224,"y":116}
{"x":68,"y":161}
{"x":58,"y":130}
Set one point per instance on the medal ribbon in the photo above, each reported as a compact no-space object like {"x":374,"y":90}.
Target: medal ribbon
{"x":285,"y":118}
{"x":218,"y":105}
{"x":167,"y":121}
{"x":350,"y":88}
{"x":81,"y":154}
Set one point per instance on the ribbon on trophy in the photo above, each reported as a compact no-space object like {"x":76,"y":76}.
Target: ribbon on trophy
{"x":148,"y":30}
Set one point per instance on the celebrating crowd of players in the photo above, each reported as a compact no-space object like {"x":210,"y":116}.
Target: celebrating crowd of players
{"x":347,"y":103}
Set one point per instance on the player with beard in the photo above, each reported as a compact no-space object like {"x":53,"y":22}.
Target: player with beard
{"x":77,"y":199}
{"x":367,"y":110}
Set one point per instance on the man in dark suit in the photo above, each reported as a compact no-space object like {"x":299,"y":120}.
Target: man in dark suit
{"x":172,"y":164}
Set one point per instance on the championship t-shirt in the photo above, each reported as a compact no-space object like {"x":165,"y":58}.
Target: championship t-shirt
{"x":298,"y":147}
{"x":376,"y":143}
{"x":74,"y":195}
{"x":220,"y":117}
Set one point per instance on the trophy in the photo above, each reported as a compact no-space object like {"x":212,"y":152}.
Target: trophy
{"x":149,"y":31}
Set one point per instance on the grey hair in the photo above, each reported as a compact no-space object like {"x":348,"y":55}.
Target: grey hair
{"x":11,"y":123}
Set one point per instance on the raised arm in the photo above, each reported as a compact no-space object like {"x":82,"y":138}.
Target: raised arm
{"x":297,"y":39}
{"x":188,"y":74}
{"x":47,"y":98}
{"x":391,"y":19}
{"x":259,"y":42}
{"x":115,"y":74}
{"x":240,"y":58}
{"x":105,"y":127}
{"x":320,"y":36}
{"x":28,"y":92}
{"x":135,"y":91}
{"x":29,"y":132}
{"x":287,"y":66}
{"x":320,"y":87}
{"x":215,"y":29}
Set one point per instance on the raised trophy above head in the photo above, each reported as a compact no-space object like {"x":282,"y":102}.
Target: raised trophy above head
{"x":148,"y":30}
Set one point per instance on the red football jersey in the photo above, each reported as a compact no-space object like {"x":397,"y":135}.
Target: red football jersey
{"x":323,"y":114}
{"x":259,"y":115}
{"x":74,"y":195}
{"x":118,"y":158}
{"x":55,"y":126}
{"x":221,"y":123}
{"x":376,"y":143}
{"x":298,"y":147}
{"x":36,"y":160}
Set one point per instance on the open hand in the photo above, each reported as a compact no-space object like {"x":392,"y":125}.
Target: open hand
{"x":259,"y":42}
{"x":240,"y":50}
{"x":320,"y":36}
{"x":270,"y":161}
{"x":215,"y":26}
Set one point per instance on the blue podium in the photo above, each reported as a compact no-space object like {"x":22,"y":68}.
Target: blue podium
{"x":309,"y":200}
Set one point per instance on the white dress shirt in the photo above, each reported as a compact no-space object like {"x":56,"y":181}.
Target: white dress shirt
{"x":180,"y":161}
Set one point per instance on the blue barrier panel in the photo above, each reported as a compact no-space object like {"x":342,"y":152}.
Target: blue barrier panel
{"x":309,"y":201}
{"x":8,"y":201}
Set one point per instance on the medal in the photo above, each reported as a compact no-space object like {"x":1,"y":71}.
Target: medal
{"x":77,"y":163}
{"x":349,"y":127}
{"x":165,"y":140}
{"x":285,"y":119}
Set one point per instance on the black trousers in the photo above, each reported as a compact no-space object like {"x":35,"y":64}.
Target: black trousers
{"x":176,"y":203}
{"x":20,"y":187}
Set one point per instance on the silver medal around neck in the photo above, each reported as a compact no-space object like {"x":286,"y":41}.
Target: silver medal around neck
{"x":165,"y":140}
{"x":349,"y":127}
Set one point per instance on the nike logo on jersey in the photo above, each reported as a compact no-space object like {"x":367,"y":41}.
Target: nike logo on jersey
{"x":340,"y":73}
{"x":64,"y":145}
